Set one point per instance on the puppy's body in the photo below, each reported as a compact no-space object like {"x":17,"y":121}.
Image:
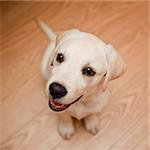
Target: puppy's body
{"x":78,"y":67}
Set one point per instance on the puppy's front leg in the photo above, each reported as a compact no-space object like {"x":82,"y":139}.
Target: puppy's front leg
{"x":91,"y":123}
{"x":65,"y":126}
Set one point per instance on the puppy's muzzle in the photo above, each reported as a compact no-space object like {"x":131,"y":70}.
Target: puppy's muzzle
{"x":57,"y":90}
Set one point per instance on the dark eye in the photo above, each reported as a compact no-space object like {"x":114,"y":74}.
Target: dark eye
{"x":60,"y":58}
{"x":88,"y":71}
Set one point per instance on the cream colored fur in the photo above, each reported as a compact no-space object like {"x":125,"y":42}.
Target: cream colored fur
{"x":80,"y":49}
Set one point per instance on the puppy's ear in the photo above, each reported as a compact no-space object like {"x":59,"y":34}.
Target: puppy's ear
{"x":50,"y":51}
{"x":116,"y":65}
{"x":47,"y":60}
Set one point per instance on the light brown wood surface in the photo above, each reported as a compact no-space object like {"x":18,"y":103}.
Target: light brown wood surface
{"x":26,"y":122}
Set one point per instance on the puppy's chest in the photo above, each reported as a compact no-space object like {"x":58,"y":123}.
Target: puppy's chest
{"x":81,"y":110}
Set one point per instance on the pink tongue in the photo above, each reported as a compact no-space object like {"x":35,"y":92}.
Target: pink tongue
{"x":58,"y":104}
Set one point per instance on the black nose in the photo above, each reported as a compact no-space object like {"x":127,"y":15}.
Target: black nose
{"x":57,"y":90}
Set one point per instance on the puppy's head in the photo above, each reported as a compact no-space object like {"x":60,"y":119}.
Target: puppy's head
{"x":80,"y":64}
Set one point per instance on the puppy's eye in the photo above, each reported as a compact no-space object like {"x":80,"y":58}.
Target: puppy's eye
{"x":60,"y":58}
{"x":88,"y":71}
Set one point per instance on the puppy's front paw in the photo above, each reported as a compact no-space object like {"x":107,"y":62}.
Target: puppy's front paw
{"x":91,"y":124}
{"x":66,"y":129}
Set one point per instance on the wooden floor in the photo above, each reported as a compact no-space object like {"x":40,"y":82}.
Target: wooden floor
{"x":26,"y":122}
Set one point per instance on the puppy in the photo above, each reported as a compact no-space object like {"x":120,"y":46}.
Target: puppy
{"x":78,"y":67}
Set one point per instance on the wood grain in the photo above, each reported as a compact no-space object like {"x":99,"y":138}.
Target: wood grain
{"x":26,"y":122}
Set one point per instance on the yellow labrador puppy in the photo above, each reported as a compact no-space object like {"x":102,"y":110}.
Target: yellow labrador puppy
{"x":78,"y":67}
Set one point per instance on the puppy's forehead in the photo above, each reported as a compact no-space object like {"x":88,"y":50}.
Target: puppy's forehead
{"x":82,"y":42}
{"x":84,"y":48}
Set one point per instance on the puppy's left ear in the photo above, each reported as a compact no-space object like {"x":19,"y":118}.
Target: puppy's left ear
{"x":116,"y":65}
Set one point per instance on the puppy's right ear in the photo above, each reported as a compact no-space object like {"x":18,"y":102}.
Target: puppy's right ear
{"x":47,"y":60}
{"x":46,"y":64}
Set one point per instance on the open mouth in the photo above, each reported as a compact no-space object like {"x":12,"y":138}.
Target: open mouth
{"x":56,"y":106}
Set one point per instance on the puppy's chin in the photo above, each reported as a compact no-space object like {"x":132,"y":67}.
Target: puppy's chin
{"x":55,"y":105}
